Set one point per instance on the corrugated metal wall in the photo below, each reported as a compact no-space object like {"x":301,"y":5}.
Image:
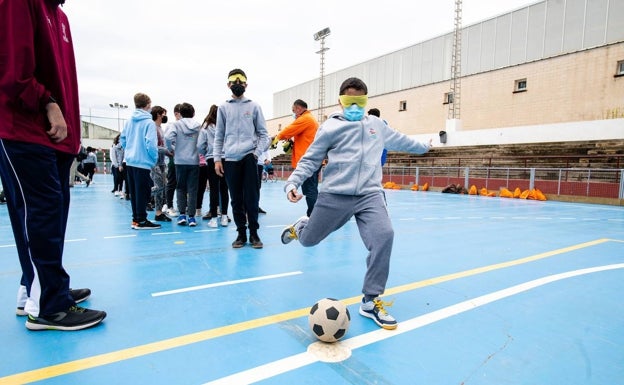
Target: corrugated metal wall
{"x":538,"y":31}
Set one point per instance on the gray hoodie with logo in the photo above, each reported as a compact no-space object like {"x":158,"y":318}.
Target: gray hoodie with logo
{"x":181,"y":139}
{"x":352,"y":150}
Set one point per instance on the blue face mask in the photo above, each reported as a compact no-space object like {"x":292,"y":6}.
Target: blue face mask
{"x":353,"y":113}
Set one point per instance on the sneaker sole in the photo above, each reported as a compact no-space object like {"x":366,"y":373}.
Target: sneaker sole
{"x":21,"y":312}
{"x":382,"y":325}
{"x":40,"y":326}
{"x":286,"y":235}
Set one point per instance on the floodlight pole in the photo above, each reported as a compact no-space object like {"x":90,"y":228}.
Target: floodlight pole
{"x":118,"y":106}
{"x":455,"y":103}
{"x":320,"y":36}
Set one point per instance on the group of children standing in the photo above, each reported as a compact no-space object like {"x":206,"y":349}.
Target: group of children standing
{"x":199,"y":153}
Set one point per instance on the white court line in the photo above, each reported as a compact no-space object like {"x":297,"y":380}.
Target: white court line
{"x":205,"y":231}
{"x":167,"y":233}
{"x":284,"y":365}
{"x":120,"y":236}
{"x":76,"y":240}
{"x":225,"y":283}
{"x":13,"y":245}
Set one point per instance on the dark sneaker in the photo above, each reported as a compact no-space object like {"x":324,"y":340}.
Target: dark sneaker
{"x":255,"y":241}
{"x":207,"y":215}
{"x":78,"y":295}
{"x":75,"y":318}
{"x":134,"y":224}
{"x":182,"y":220}
{"x":162,"y":218}
{"x":147,"y":225}
{"x":192,"y":222}
{"x":239,"y":241}
{"x":260,"y":211}
{"x":290,"y":233}
{"x":375,"y":310}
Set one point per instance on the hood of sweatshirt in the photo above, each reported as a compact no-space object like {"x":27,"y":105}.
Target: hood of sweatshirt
{"x":189,"y":126}
{"x":139,"y":115}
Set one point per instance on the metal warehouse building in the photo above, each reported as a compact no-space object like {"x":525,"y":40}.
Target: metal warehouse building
{"x":550,"y":71}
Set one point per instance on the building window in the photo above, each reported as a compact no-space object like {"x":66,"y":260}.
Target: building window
{"x":448,"y":98}
{"x":620,"y":68}
{"x":403,"y":105}
{"x":520,"y":85}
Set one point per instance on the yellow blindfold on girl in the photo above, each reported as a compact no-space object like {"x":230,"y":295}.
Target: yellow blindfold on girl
{"x":234,"y":78}
{"x":348,"y":100}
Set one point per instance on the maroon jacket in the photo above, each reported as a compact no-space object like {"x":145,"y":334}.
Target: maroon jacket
{"x":36,"y":62}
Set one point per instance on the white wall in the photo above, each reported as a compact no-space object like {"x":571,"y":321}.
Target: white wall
{"x":562,"y":132}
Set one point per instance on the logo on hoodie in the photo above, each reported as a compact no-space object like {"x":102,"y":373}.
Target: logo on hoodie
{"x":372,"y":133}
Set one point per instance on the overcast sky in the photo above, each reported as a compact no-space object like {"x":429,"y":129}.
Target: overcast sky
{"x":181,"y":51}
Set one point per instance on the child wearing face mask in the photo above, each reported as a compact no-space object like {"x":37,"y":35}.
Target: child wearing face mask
{"x":241,"y":137}
{"x":352,"y":143}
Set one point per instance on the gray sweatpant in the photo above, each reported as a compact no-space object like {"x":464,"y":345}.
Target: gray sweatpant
{"x":332,"y":211}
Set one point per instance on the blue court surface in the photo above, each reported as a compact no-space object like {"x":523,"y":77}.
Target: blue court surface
{"x":486,"y":291}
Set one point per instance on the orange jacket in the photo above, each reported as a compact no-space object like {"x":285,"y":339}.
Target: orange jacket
{"x":302,"y":130}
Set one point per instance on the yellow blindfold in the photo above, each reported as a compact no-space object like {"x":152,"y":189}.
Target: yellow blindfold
{"x":234,"y":78}
{"x":348,"y":100}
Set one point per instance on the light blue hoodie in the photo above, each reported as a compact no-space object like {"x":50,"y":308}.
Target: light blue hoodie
{"x":241,"y":130}
{"x":353,"y":150}
{"x":205,"y":143}
{"x":140,"y":141}
{"x":181,"y":138}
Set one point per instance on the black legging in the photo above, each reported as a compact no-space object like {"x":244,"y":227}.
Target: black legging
{"x":218,"y":191}
{"x":89,"y":169}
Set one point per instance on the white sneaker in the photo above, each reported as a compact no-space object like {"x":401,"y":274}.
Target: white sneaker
{"x":224,"y":220}
{"x":198,"y":213}
{"x":165,"y":208}
{"x":213,"y":222}
{"x":172,"y":213}
{"x":376,"y":311}
{"x":291,"y":232}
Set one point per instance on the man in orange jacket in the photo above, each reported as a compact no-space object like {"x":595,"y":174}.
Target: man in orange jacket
{"x":302,"y":130}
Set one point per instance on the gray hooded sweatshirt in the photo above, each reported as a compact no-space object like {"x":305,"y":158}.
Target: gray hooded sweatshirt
{"x":353,"y":150}
{"x":181,"y":139}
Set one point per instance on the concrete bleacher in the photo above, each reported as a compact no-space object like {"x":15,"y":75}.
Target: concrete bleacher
{"x":607,"y":154}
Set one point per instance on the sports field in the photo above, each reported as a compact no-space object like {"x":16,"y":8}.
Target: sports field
{"x":486,"y":291}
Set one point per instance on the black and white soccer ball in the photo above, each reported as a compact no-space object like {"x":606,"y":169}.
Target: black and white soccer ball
{"x":329,"y":319}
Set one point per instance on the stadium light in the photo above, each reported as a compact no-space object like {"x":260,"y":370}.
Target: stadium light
{"x":118,"y":106}
{"x":320,"y":36}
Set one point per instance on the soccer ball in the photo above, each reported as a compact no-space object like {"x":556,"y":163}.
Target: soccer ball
{"x":329,"y":319}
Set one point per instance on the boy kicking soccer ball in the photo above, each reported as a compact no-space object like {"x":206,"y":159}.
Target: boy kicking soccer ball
{"x":352,"y":143}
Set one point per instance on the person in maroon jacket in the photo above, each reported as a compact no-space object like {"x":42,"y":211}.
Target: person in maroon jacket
{"x":39,"y":138}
